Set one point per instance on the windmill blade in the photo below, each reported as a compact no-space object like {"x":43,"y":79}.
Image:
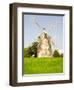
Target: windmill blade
{"x":51,"y":26}
{"x":53,"y":41}
{"x":36,"y":23}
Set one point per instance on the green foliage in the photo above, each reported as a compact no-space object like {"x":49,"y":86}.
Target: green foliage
{"x":26,"y":52}
{"x":61,"y":55}
{"x":32,"y":50}
{"x":43,"y":65}
{"x":56,"y":54}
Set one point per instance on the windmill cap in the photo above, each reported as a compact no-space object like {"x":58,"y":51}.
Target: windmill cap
{"x":43,"y":28}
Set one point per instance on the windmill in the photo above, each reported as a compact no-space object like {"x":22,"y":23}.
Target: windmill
{"x":45,"y":42}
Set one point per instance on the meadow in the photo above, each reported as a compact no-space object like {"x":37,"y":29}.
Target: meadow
{"x":43,"y":65}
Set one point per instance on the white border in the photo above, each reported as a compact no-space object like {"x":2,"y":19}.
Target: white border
{"x":48,"y":77}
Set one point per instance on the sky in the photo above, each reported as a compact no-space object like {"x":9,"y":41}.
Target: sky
{"x":52,"y":23}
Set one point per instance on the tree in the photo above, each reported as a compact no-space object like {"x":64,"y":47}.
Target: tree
{"x":26,"y":52}
{"x":56,"y":54}
{"x":32,"y":50}
{"x":61,"y":55}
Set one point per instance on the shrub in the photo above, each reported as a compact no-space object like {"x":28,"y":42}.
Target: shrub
{"x":56,"y":54}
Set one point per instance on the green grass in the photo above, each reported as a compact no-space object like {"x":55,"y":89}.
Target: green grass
{"x":43,"y":65}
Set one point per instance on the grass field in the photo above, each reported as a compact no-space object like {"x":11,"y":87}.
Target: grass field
{"x":43,"y":65}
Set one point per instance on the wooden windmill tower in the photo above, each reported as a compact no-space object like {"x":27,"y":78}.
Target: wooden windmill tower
{"x":45,"y":42}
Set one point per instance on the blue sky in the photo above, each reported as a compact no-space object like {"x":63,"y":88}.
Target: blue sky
{"x":31,"y":31}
